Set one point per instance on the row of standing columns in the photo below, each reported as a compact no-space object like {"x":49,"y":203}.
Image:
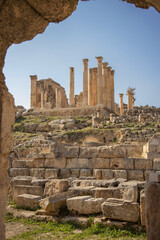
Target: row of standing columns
{"x":98,"y":85}
{"x":130,"y":102}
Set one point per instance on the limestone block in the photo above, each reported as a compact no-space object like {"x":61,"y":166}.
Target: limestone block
{"x":120,"y":174}
{"x":25,"y":189}
{"x":55,"y":186}
{"x":147,"y":174}
{"x":152,"y":206}
{"x":134,"y":150}
{"x":39,"y":182}
{"x":75,"y":173}
{"x":153,"y":155}
{"x":70,"y":151}
{"x":83,"y":162}
{"x":122,"y":163}
{"x":119,"y":209}
{"x":14,"y":172}
{"x":65,"y":173}
{"x":142,"y":208}
{"x":37,"y":172}
{"x":51,"y":172}
{"x":100,"y":192}
{"x":38,"y":156}
{"x":25,"y":180}
{"x":97,"y":173}
{"x":107,"y":174}
{"x":101,"y":163}
{"x":116,"y":151}
{"x":85,"y":173}
{"x":156,"y":164}
{"x":54,"y":203}
{"x":28,"y":200}
{"x":143,"y":164}
{"x":55,"y":163}
{"x":129,"y":190}
{"x":19,"y":164}
{"x":155,"y":177}
{"x":72,"y":163}
{"x":30,"y":163}
{"x":88,"y":152}
{"x":85,"y":204}
{"x":39,"y":163}
{"x":81,"y":191}
{"x":135,"y":175}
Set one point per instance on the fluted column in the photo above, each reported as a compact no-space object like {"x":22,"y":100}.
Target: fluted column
{"x":58,"y":98}
{"x":85,"y":82}
{"x":112,"y":91}
{"x":99,"y":82}
{"x":33,"y":102}
{"x":121,"y":103}
{"x":129,"y":106}
{"x":71,"y":87}
{"x":109,"y":87}
{"x":90,"y":88}
{"x":42,"y":100}
{"x":105,"y":80}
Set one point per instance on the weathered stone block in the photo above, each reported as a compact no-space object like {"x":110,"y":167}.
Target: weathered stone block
{"x":135,"y":175}
{"x":116,"y":151}
{"x":143,"y":164}
{"x":56,"y":163}
{"x":18,"y":164}
{"x":101,"y":163}
{"x":120,"y":174}
{"x":39,"y":163}
{"x":105,"y":193}
{"x":14,"y":172}
{"x":65,"y":173}
{"x":122,"y":163}
{"x":83,"y":163}
{"x":142,"y":208}
{"x":85,"y":204}
{"x":37,"y":172}
{"x":81,"y":191}
{"x":147,"y":173}
{"x":24,"y":189}
{"x":119,"y":209}
{"x":85,"y":173}
{"x":156,"y":164}
{"x":72,"y":163}
{"x":28,"y":200}
{"x":55,"y":186}
{"x":75,"y":173}
{"x":107,"y":174}
{"x":50,"y":172}
{"x":97,"y":173}
{"x":134,"y":150}
{"x":88,"y":152}
{"x":70,"y":151}
{"x":39,"y":182}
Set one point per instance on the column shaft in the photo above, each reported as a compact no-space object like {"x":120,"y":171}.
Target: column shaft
{"x":121,"y":103}
{"x":71,"y":87}
{"x":94,"y":86}
{"x":58,"y":98}
{"x":85,"y":82}
{"x":112,"y":91}
{"x":33,"y":102}
{"x":42,"y":100}
{"x":105,"y":79}
{"x":99,"y":82}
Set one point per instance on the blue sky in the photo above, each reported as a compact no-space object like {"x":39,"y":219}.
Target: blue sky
{"x":127,"y":37}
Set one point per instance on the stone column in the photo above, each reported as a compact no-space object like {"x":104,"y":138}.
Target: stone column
{"x":121,"y":103}
{"x":42,"y":100}
{"x":33,"y":102}
{"x":105,"y":82}
{"x":71,"y":87}
{"x":85,"y":82}
{"x":112,"y":91}
{"x":129,"y":106}
{"x":152,"y":206}
{"x":94,"y":86}
{"x":91,"y":87}
{"x":99,"y":82}
{"x":109,"y":87}
{"x":58,"y":98}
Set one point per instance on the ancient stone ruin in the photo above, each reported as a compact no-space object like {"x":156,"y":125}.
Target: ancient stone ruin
{"x":21,"y":21}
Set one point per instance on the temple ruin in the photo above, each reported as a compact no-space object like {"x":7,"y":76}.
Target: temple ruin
{"x":98,"y":89}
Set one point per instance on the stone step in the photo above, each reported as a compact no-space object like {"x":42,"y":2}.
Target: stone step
{"x":81,"y":191}
{"x":19,"y":164}
{"x":105,"y":193}
{"x":21,"y":180}
{"x":14,"y":172}
{"x":28,"y":200}
{"x":26,"y":189}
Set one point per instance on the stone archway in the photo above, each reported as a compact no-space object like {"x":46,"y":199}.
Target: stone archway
{"x":21,"y":20}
